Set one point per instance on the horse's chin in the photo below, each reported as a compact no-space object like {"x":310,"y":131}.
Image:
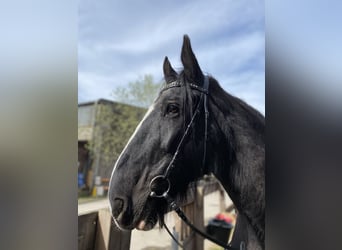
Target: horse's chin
{"x":145,"y":225}
{"x":152,"y":212}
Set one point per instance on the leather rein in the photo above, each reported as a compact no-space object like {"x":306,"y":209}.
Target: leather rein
{"x":160,"y":184}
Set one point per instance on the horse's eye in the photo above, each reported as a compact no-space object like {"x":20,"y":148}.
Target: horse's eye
{"x":172,"y":109}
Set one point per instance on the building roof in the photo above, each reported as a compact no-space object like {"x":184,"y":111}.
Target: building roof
{"x":86,"y":116}
{"x":101,"y":100}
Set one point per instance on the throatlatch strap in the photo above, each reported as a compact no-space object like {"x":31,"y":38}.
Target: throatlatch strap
{"x":206,"y":114}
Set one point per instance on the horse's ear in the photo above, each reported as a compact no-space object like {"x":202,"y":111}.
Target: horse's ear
{"x":192,"y":70}
{"x":170,"y":75}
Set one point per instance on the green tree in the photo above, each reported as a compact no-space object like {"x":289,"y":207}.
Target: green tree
{"x":141,"y":92}
{"x":115,"y":123}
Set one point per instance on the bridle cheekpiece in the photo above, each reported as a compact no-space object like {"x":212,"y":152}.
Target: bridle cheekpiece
{"x":160,"y":184}
{"x":154,"y":192}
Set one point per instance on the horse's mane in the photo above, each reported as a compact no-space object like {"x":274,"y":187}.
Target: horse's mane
{"x":230,"y":104}
{"x":237,"y":113}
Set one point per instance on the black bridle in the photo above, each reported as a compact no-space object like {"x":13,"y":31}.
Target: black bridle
{"x":160,"y":184}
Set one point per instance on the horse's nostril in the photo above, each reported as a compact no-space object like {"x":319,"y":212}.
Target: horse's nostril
{"x":117,"y":207}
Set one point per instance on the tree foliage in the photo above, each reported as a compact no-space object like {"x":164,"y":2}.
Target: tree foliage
{"x":116,"y":122}
{"x":141,"y":92}
{"x":114,"y":125}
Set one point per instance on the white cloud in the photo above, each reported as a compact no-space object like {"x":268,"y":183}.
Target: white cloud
{"x":120,"y":42}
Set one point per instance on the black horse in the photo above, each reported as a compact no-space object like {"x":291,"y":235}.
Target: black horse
{"x":234,"y":152}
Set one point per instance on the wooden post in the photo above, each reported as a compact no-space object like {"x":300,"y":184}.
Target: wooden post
{"x":222,"y":200}
{"x":178,"y":226}
{"x":199,"y":216}
{"x":108,"y":236}
{"x":119,"y":240}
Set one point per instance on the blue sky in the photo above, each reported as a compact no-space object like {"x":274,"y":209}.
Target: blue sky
{"x":120,"y":41}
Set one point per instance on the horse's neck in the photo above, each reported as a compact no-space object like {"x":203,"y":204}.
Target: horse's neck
{"x":241,"y":168}
{"x":245,"y":234}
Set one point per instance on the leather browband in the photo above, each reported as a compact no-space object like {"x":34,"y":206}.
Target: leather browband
{"x":179,"y":84}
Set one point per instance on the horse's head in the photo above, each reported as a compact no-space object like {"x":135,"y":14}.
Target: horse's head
{"x":153,"y":144}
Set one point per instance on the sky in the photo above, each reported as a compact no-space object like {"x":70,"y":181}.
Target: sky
{"x":121,"y":41}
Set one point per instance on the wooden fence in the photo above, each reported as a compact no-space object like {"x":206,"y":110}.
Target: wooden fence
{"x":97,"y":231}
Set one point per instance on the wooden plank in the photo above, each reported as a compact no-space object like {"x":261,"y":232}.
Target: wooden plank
{"x":119,"y":240}
{"x":103,"y":229}
{"x":86,"y":231}
{"x":93,"y":206}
